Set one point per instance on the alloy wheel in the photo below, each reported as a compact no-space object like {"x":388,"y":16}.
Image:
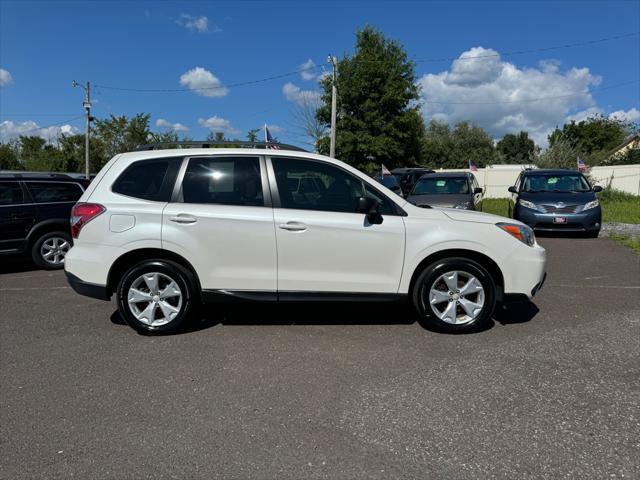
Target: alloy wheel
{"x":456,"y":297}
{"x":54,"y":249}
{"x":154,"y":298}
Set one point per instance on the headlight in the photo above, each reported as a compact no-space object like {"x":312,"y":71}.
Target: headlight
{"x":591,"y":204}
{"x":521,"y":232}
{"x":528,"y":204}
{"x":463,"y":205}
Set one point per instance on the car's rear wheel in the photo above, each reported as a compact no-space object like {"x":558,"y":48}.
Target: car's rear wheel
{"x":50,"y":250}
{"x":455,"y":295}
{"x":156,"y":296}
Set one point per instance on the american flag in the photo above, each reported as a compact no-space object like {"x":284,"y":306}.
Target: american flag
{"x":582,"y":167}
{"x":271,"y":143}
{"x":472,"y":166}
{"x":385,"y":170}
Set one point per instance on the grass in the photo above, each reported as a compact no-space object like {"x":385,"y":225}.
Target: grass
{"x":616,"y":206}
{"x":627,"y":241}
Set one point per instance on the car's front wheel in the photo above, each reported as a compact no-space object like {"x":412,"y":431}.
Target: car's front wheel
{"x":156,"y":296}
{"x":455,"y":295}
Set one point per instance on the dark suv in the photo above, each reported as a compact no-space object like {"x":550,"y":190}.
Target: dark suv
{"x":556,"y":200}
{"x":34,"y":215}
{"x":407,"y":177}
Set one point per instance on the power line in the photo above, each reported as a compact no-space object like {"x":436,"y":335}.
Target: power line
{"x":228,"y":85}
{"x":535,"y":99}
{"x":321,"y":65}
{"x":35,"y":114}
{"x":533,"y":50}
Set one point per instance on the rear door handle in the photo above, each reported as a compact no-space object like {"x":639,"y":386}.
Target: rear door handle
{"x":183,"y":219}
{"x":293,"y":226}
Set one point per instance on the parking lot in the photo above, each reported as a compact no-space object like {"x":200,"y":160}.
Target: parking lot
{"x":340,"y":391}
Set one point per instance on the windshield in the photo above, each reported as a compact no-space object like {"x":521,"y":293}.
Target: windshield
{"x":574,"y":182}
{"x":389,"y":181}
{"x":441,"y":186}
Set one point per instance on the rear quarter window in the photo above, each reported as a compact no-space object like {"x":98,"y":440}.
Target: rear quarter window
{"x":52,"y":192}
{"x":10,"y":193}
{"x":148,"y":179}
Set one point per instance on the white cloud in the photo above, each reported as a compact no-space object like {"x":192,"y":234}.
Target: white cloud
{"x":217,"y":124}
{"x":293,"y":93}
{"x":203,"y":82}
{"x":631,"y":115}
{"x":583,"y":114}
{"x":197,"y":24}
{"x":308,"y":70}
{"x":5,"y":78}
{"x":497,"y":95}
{"x":176,"y":127}
{"x":10,"y":130}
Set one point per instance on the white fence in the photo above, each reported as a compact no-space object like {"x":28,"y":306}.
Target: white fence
{"x":496,"y":179}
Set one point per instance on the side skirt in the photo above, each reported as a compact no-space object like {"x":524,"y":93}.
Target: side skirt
{"x":215,"y":296}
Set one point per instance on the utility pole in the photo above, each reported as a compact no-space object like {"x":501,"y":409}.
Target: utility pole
{"x":87,"y":106}
{"x":334,"y":100}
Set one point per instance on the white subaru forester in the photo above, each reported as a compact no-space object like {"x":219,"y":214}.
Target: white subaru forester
{"x":167,"y":230}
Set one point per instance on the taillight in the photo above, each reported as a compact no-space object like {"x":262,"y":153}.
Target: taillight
{"x":82,"y":214}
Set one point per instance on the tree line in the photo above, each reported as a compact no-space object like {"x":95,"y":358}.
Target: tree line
{"x":379,"y":120}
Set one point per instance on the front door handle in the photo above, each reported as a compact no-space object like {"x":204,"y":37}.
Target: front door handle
{"x":293,"y":226}
{"x":183,"y":219}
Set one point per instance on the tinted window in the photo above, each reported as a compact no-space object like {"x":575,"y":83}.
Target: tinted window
{"x":143,"y":180}
{"x":441,"y":186}
{"x":223,"y":180}
{"x":333,"y":189}
{"x":44,"y":192}
{"x":10,"y":193}
{"x":555,"y":183}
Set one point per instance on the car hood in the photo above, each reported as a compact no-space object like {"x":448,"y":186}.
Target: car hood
{"x":439,"y":200}
{"x":575,"y":198}
{"x":473,"y":216}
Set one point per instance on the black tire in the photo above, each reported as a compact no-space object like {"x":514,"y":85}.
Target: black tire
{"x":432,"y":273}
{"x":168,"y":270}
{"x":51,"y":262}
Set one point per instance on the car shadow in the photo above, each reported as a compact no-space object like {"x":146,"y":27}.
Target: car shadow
{"x":17,"y":264}
{"x":330,"y":313}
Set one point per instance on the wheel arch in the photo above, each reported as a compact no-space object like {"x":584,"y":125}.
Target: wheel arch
{"x":487,"y":262}
{"x":45,"y":226}
{"x":127,"y":260}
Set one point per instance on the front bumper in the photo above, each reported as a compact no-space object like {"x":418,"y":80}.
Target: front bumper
{"x":589,"y":221}
{"x":87,"y":289}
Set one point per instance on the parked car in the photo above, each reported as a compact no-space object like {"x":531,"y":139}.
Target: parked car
{"x":164,"y":230}
{"x":391,"y":182}
{"x":556,"y":200}
{"x":34,"y":215}
{"x":447,"y":189}
{"x":407,"y":177}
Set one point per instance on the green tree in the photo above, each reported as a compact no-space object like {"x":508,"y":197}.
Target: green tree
{"x":378,"y":110}
{"x":9,"y":157}
{"x":444,"y":147}
{"x":516,"y":148}
{"x":593,"y":138}
{"x":562,"y":154}
{"x":252,"y":135}
{"x":119,"y":134}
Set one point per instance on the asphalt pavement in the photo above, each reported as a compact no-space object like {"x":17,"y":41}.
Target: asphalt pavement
{"x":327,"y":391}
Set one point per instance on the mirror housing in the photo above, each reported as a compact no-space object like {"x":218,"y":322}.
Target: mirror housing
{"x":370,"y":206}
{"x":597,"y":188}
{"x":477,"y":190}
{"x":512,"y":189}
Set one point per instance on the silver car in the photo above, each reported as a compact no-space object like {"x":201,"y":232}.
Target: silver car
{"x":447,"y":189}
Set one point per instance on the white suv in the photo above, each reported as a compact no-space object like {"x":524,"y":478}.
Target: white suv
{"x":166,"y":230}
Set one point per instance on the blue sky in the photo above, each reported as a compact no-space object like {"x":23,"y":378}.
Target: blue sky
{"x":152,"y":45}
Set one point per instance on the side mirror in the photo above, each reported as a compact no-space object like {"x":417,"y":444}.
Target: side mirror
{"x":477,"y":190}
{"x":597,"y":188}
{"x":512,"y":189}
{"x":370,"y":206}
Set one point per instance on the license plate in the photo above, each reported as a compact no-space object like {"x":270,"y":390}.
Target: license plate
{"x":560,"y":220}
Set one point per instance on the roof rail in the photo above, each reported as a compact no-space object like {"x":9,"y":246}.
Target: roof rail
{"x":21,"y":173}
{"x":214,"y":144}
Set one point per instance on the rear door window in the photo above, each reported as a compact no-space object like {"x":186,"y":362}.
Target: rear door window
{"x":54,"y":192}
{"x":223,"y":181}
{"x":11,"y":193}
